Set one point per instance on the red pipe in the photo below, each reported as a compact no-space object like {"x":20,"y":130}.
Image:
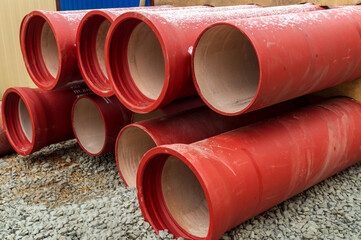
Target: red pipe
{"x":147,"y":55}
{"x":96,"y":122}
{"x":276,"y":58}
{"x":5,"y":146}
{"x":190,"y":126}
{"x":34,"y":118}
{"x":201,"y":190}
{"x":90,"y":43}
{"x":47,"y":41}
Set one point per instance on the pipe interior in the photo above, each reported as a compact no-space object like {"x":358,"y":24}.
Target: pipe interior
{"x":226,"y":68}
{"x":137,"y":117}
{"x":133,"y":143}
{"x":146,"y":61}
{"x":89,"y":125}
{"x":49,"y":49}
{"x":184,"y":197}
{"x":25,"y":120}
{"x":100,"y":44}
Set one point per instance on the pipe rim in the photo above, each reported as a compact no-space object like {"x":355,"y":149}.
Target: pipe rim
{"x":253,"y":42}
{"x":74,"y":131}
{"x":88,"y":62}
{"x":164,"y":220}
{"x":124,"y":88}
{"x":32,"y":56}
{"x":118,"y":161}
{"x":11,"y":121}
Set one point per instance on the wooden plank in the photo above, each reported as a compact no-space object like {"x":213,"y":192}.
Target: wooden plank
{"x":349,"y":89}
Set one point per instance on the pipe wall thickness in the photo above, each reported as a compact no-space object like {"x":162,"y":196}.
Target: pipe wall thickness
{"x":147,"y":55}
{"x":34,"y":118}
{"x":276,"y":58}
{"x":5,"y":146}
{"x":47,"y":41}
{"x":201,"y":190}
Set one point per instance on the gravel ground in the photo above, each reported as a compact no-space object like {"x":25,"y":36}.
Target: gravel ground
{"x":62,"y":193}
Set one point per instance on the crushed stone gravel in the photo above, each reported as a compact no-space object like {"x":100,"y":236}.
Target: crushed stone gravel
{"x":61,"y":192}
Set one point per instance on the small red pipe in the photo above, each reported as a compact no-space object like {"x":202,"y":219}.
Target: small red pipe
{"x":96,"y":122}
{"x":5,"y":146}
{"x":201,"y":190}
{"x":34,"y":118}
{"x":90,"y":43}
{"x":47,"y":40}
{"x":276,"y":58}
{"x":147,"y":55}
{"x":190,"y":126}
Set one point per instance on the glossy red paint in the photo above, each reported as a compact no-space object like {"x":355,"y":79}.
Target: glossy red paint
{"x":244,"y":172}
{"x":5,"y":146}
{"x":96,"y":122}
{"x":176,"y":33}
{"x":189,"y":126}
{"x":34,"y":118}
{"x":47,"y":40}
{"x":291,"y":57}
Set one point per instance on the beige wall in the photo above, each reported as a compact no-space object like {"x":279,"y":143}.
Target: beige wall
{"x":260,"y":2}
{"x":12,"y":68}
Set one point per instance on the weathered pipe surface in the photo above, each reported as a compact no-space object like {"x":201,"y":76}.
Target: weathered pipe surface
{"x":90,"y":44}
{"x":276,"y":58}
{"x":190,"y":126}
{"x":47,"y":40}
{"x":147,"y":55}
{"x":96,"y":122}
{"x":34,"y":118}
{"x":201,"y":190}
{"x":5,"y":146}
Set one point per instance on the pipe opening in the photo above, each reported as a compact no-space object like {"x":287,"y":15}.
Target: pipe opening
{"x":146,"y":61}
{"x":49,"y":49}
{"x":25,"y":120}
{"x":19,"y":122}
{"x":226,"y":68}
{"x":89,"y":126}
{"x":133,"y":143}
{"x":40,"y":51}
{"x":91,"y":49}
{"x":174,"y":197}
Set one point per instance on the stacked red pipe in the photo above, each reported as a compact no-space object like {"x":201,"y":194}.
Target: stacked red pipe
{"x":239,"y":59}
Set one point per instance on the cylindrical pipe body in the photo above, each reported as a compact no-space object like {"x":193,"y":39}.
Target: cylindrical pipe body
{"x":47,"y":40}
{"x":5,"y":146}
{"x":234,"y":176}
{"x":276,"y":58}
{"x":35,"y":118}
{"x":96,"y":122}
{"x":147,"y":55}
{"x":189,"y":126}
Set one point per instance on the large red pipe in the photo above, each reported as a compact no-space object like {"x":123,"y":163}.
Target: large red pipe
{"x":90,"y":43}
{"x":5,"y":146}
{"x":47,"y":41}
{"x":35,"y":118}
{"x":201,"y":190}
{"x":147,"y":55}
{"x":96,"y":122}
{"x":276,"y":58}
{"x":190,"y":126}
